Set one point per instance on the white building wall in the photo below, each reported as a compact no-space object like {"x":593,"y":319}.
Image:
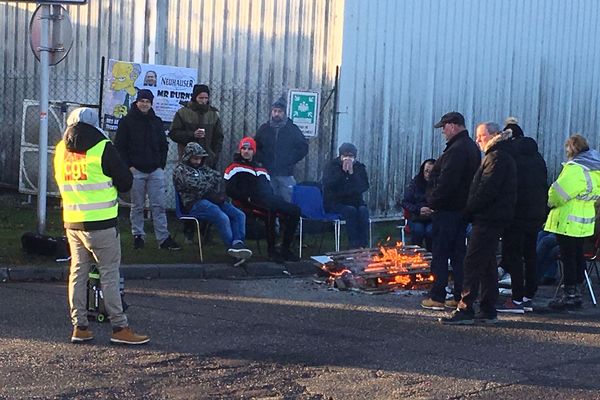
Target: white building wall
{"x":405,"y":63}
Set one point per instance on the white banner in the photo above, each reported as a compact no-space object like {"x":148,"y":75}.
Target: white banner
{"x":169,"y":84}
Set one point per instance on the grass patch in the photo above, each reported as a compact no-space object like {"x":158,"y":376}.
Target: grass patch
{"x":18,"y":216}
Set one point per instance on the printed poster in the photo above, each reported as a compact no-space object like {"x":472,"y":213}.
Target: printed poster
{"x":170,"y":86}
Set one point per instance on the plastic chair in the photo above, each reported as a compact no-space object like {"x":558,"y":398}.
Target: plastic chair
{"x":310,"y":201}
{"x":183,"y":216}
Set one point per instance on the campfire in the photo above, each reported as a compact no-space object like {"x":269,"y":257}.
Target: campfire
{"x":388,"y":267}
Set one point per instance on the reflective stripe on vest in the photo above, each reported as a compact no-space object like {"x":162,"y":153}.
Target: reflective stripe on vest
{"x":90,"y":206}
{"x":581,"y":220}
{"x":561,"y":192}
{"x":67,"y":187}
{"x":87,"y":193}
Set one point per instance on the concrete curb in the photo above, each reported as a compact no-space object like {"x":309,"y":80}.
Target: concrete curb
{"x":167,"y":271}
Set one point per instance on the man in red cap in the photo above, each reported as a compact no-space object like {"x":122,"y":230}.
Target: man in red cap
{"x":249,"y":183}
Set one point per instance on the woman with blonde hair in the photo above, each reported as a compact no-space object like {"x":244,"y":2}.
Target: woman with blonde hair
{"x":572,"y":214}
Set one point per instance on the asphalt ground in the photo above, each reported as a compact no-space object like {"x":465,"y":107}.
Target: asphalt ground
{"x":290,"y":338}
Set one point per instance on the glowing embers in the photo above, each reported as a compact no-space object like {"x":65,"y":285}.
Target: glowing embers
{"x":389,"y":267}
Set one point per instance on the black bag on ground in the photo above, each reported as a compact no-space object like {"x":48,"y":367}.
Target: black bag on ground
{"x":45,"y":245}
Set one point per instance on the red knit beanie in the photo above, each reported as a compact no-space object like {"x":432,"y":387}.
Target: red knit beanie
{"x":247,"y":141}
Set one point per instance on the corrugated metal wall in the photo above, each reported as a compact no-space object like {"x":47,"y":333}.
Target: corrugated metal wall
{"x":405,"y":63}
{"x":248,"y":51}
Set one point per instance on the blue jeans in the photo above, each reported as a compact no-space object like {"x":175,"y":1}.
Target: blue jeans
{"x":547,"y":251}
{"x":419,"y":231}
{"x":449,"y":233}
{"x":357,"y":223}
{"x":230,"y":222}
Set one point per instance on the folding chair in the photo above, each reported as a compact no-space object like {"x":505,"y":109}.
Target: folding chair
{"x":183,"y":216}
{"x":588,"y":267}
{"x":310,"y":201}
{"x":591,"y":264}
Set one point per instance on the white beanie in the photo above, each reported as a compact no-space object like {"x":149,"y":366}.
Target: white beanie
{"x":83,"y":114}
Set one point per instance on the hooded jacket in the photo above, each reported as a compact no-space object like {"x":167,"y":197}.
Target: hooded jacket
{"x":452,"y":173}
{"x":194,"y":116}
{"x":141,"y":140}
{"x":280,"y":149}
{"x":79,"y":137}
{"x":193,"y":183}
{"x":493,"y":191}
{"x":572,"y":196}
{"x":532,"y":183}
{"x":340,"y":187}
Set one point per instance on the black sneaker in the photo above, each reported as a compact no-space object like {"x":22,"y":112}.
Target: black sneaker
{"x":459,"y":317}
{"x":169,"y":244}
{"x":289,"y":255}
{"x":138,"y":242}
{"x":239,"y":250}
{"x":527,"y":304}
{"x":485,"y":318}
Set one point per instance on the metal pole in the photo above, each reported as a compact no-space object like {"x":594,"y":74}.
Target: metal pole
{"x":43,"y":136}
{"x":336,"y":88}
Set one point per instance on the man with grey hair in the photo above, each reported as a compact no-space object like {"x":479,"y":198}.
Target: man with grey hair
{"x":490,"y":209}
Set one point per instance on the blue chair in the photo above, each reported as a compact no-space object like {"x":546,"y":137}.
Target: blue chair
{"x":310,"y":201}
{"x":183,"y":216}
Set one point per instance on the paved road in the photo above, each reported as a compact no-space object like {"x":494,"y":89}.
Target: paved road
{"x":289,"y":339}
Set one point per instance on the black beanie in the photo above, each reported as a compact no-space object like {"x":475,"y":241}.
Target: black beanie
{"x":346,"y":148}
{"x":199,"y":89}
{"x":144,"y":94}
{"x":279,"y":103}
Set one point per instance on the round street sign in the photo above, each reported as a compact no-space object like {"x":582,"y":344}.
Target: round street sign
{"x":60,"y":35}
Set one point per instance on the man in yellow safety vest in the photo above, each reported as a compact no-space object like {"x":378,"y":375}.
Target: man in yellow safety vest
{"x":89,"y":172}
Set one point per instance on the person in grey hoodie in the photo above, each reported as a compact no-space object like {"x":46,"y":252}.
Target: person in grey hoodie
{"x":197,"y":186}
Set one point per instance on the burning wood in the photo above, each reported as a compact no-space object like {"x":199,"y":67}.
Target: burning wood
{"x":384,"y":268}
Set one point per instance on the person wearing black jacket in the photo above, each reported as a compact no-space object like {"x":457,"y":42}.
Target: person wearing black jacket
{"x":247,"y":182}
{"x":142,"y":144}
{"x":490,"y":208}
{"x":447,"y":193}
{"x":415,"y":203}
{"x":280,"y":145}
{"x":519,"y":240}
{"x":344,"y":182}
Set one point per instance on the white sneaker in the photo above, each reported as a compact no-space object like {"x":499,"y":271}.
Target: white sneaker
{"x":239,"y":250}
{"x":505,"y":280}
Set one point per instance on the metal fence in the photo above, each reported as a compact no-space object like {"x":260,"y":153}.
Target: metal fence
{"x":242,"y":107}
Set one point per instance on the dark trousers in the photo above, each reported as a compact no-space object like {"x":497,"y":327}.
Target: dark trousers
{"x":481,"y":269}
{"x":448,"y":236}
{"x":289,"y":215}
{"x":571,"y":254}
{"x":519,"y":257}
{"x":357,"y":223}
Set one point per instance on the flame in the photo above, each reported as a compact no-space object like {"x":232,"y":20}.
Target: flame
{"x":392,"y":266}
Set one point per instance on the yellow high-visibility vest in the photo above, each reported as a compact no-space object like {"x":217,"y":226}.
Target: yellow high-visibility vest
{"x":87,"y":194}
{"x":572,"y":197}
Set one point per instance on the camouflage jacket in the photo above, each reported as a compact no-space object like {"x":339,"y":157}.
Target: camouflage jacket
{"x":193,"y":183}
